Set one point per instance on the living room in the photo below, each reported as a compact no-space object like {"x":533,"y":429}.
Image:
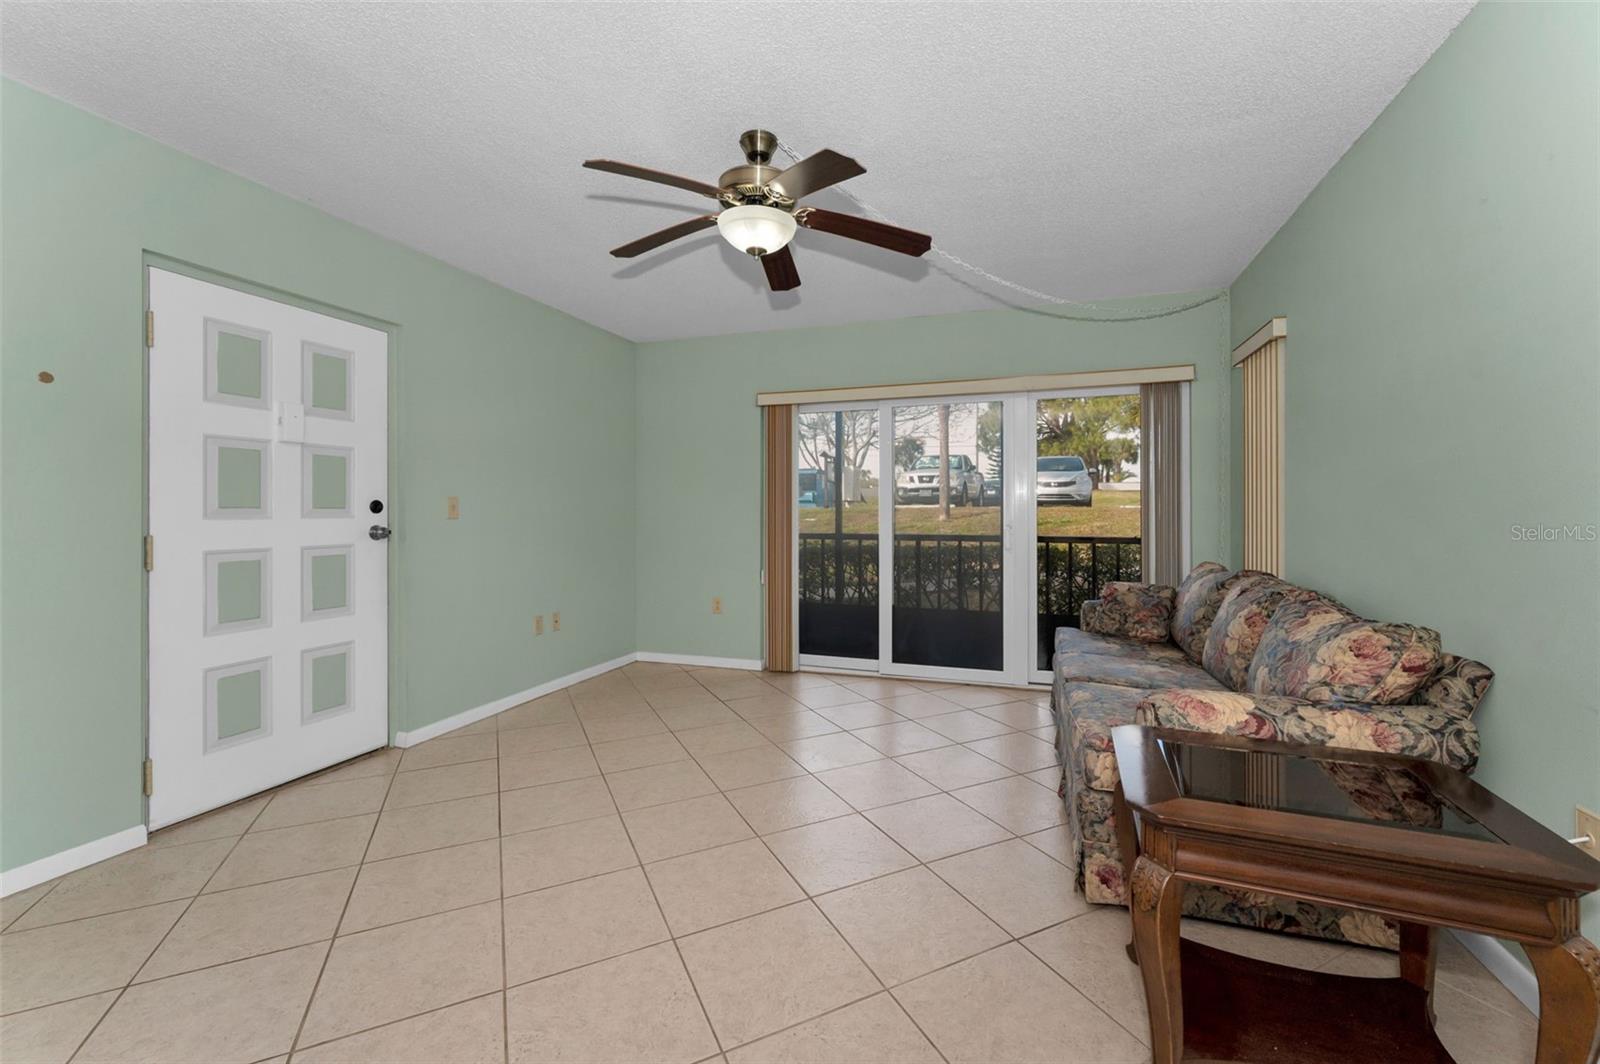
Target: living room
{"x":682,"y":658}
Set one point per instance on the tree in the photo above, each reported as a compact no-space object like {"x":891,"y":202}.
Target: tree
{"x":989,"y":436}
{"x":907,"y":449}
{"x":1101,"y":429}
{"x":820,"y":441}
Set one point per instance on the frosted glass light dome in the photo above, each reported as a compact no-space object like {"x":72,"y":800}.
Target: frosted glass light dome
{"x":756,"y":230}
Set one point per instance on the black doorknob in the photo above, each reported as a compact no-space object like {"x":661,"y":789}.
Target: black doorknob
{"x":380,"y":532}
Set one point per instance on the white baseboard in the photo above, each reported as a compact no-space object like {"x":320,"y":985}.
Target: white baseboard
{"x":500,"y":705}
{"x":1504,"y":966}
{"x":753,"y":664}
{"x":59,"y":864}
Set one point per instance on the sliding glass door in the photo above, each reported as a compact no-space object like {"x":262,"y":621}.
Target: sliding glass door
{"x":948,"y":558}
{"x":1085,"y":505}
{"x":948,"y":538}
{"x":836,"y":555}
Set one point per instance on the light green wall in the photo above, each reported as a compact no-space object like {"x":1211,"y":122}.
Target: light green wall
{"x":699,"y":436}
{"x":523,"y":412}
{"x":1442,"y":287}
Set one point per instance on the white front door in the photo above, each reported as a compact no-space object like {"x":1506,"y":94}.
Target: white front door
{"x":268,"y":597}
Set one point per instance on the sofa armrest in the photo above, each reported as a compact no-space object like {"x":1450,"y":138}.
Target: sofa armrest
{"x":1131,"y":611}
{"x":1414,"y":731}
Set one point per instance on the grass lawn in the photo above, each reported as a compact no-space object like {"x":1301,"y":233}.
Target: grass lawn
{"x":1113,"y":513}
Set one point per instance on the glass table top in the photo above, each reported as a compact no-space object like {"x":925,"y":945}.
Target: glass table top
{"x":1293,"y":783}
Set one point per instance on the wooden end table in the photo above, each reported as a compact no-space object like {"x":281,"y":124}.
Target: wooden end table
{"x":1409,"y":839}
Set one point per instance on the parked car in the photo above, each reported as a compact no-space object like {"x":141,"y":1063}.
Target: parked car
{"x":992,"y":491}
{"x":920,"y":483}
{"x":1063,"y":478}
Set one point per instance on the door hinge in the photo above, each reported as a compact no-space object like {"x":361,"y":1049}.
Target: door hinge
{"x":149,"y":554}
{"x":149,"y":777}
{"x":149,"y":328}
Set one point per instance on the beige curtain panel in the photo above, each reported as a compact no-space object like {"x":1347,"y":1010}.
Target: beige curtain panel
{"x":1263,"y":457}
{"x":779,"y":652}
{"x":1161,"y":481}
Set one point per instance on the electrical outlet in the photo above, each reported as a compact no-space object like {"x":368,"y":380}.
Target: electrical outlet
{"x":538,"y":624}
{"x":555,"y":621}
{"x":716,"y":604}
{"x":1588,"y":823}
{"x":452,"y":508}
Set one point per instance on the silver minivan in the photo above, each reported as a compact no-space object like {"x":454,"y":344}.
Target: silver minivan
{"x":1063,"y":478}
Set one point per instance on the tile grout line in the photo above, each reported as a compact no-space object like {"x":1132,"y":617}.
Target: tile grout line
{"x":805,"y":773}
{"x":662,"y":913}
{"x":316,"y":984}
{"x":161,"y":942}
{"x":500,"y":884}
{"x":470,"y":842}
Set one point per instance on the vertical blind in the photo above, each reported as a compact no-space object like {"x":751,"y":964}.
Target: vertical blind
{"x":1263,"y":454}
{"x":779,"y":650}
{"x":1161,"y":481}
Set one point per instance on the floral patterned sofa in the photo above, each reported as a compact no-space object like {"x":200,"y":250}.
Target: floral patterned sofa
{"x":1245,"y":653}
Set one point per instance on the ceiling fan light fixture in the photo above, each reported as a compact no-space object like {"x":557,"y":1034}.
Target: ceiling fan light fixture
{"x":756,"y":229}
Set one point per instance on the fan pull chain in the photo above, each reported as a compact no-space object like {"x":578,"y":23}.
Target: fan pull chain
{"x":1031,"y":293}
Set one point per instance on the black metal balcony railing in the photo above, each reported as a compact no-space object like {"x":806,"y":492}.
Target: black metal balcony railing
{"x":838,"y":583}
{"x":1071,"y":570}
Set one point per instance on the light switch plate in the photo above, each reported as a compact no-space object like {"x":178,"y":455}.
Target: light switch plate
{"x":291,"y":423}
{"x":555,"y":621}
{"x":716,"y":605}
{"x":538,"y":625}
{"x":452,"y":508}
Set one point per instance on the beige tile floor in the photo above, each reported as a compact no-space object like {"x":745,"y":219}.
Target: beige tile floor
{"x":659,"y":864}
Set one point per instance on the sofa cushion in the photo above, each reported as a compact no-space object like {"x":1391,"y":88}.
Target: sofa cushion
{"x":1241,"y":618}
{"x":1131,"y":671}
{"x":1457,"y":687}
{"x":1089,"y":711}
{"x":1132,"y":611}
{"x":1077,"y":641}
{"x":1319,"y":651}
{"x":1196,"y":606}
{"x":1415,"y":731}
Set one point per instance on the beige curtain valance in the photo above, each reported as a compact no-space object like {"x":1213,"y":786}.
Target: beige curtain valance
{"x":1036,"y":382}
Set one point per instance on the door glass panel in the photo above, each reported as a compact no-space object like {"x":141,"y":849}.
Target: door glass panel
{"x":236,"y":701}
{"x":837,"y":502}
{"x":327,"y":381}
{"x":1086,"y":489}
{"x":326,"y":681}
{"x":327,"y":482}
{"x":237,"y":590}
{"x":948,"y":550}
{"x":326,"y":581}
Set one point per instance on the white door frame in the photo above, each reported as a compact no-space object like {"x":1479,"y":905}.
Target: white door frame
{"x":394,"y":501}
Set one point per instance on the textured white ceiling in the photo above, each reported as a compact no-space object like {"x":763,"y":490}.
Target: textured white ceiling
{"x":1087,"y":150}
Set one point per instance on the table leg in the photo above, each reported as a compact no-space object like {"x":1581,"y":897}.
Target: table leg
{"x":1419,"y":954}
{"x":1569,"y":1000}
{"x":1157,"y":897}
{"x":1128,"y":847}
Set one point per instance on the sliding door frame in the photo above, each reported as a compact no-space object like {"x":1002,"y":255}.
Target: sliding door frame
{"x":1019,"y":532}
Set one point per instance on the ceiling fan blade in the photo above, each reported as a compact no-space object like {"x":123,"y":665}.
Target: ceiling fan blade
{"x":665,"y":236}
{"x":905,"y":241}
{"x":781,"y":274}
{"x":644,"y":174}
{"x":816,"y":172}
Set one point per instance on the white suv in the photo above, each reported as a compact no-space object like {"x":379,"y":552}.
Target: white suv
{"x":920,"y":483}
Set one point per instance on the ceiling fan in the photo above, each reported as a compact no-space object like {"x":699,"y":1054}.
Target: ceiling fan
{"x":761,"y":208}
